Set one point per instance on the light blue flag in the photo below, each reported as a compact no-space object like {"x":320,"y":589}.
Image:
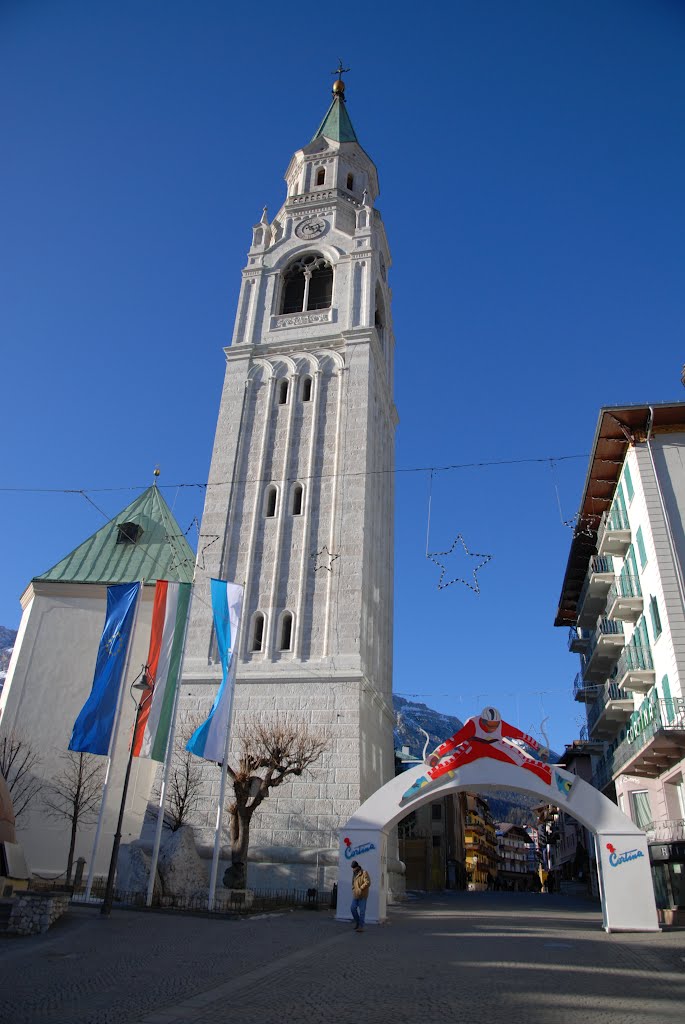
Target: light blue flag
{"x":209,"y":741}
{"x":93,"y":728}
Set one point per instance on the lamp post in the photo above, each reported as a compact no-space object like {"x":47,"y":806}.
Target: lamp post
{"x":146,"y":692}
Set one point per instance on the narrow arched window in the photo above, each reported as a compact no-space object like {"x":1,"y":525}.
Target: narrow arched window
{"x":321,"y":176}
{"x":258,"y":633}
{"x":350,"y":182}
{"x":286,"y":631}
{"x":307,"y":284}
{"x":283,"y":392}
{"x":298,"y":491}
{"x":270,"y":502}
{"x":307,"y":389}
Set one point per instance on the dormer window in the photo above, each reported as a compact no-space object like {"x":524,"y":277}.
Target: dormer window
{"x":128,"y":533}
{"x":321,"y":176}
{"x":307,"y":284}
{"x":350,"y":182}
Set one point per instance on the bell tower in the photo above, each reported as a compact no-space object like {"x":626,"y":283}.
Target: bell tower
{"x":300,"y":496}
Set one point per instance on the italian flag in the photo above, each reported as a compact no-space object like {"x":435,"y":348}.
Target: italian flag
{"x":169,"y":615}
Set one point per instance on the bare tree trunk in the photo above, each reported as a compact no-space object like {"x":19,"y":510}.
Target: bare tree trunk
{"x":72,"y":845}
{"x":240,"y":841}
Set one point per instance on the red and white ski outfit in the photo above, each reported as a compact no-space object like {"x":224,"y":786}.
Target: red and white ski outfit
{"x":475,"y":740}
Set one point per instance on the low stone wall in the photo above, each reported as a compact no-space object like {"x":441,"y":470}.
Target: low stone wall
{"x":34,"y":913}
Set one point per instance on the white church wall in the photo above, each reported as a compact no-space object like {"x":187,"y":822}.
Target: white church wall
{"x":52,"y":678}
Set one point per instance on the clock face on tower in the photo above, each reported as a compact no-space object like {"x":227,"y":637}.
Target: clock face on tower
{"x":312,"y":228}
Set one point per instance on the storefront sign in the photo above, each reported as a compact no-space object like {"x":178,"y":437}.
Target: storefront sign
{"x":616,"y":858}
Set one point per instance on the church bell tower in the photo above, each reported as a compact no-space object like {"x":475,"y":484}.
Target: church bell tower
{"x":300,"y":497}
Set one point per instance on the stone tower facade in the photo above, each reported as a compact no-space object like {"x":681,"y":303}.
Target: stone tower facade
{"x":300,"y":499}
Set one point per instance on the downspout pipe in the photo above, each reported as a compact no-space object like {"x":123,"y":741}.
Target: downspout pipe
{"x":667,"y":521}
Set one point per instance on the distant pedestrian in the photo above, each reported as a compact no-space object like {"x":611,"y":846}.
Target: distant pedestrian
{"x":361,"y":883}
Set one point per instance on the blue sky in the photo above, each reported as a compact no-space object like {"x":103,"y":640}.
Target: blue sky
{"x":531,"y":159}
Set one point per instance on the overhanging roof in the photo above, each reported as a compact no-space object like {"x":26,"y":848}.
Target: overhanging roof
{"x":618,"y":427}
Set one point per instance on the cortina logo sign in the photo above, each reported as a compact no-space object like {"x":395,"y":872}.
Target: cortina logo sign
{"x":356,"y":851}
{"x":616,"y":858}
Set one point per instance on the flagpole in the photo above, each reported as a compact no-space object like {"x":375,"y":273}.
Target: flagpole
{"x":110,"y":752}
{"x":167,"y":760}
{"x":224,"y":770}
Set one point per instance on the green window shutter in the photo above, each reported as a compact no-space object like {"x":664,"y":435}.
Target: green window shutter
{"x":629,"y":482}
{"x":656,"y":618}
{"x":666,"y":690}
{"x":641,"y":547}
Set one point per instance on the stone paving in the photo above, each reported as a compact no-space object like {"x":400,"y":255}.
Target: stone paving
{"x":487,"y":957}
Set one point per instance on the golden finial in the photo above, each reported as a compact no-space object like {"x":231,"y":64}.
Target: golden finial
{"x":339,"y":85}
{"x":156,"y":473}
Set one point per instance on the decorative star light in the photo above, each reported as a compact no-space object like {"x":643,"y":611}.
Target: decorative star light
{"x":324,"y":559}
{"x":435,"y":555}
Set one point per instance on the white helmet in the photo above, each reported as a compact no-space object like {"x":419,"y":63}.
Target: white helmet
{"x":491,"y":715}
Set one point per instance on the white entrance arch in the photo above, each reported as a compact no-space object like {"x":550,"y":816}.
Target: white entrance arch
{"x":625,"y":878}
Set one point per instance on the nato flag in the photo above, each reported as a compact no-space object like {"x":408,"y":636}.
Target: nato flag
{"x":93,"y":729}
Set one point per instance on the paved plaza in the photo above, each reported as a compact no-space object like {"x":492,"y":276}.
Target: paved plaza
{"x":488,"y":957}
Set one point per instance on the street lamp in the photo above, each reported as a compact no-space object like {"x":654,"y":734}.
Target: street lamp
{"x":145,"y":688}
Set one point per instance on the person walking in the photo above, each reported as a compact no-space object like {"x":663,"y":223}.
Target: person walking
{"x":361,"y":883}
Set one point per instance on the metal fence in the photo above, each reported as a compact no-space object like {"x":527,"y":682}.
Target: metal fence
{"x":251,"y":901}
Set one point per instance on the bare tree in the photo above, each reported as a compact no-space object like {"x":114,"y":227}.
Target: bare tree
{"x":18,"y":764}
{"x":271,"y":750}
{"x":186,"y":777}
{"x":75,"y":794}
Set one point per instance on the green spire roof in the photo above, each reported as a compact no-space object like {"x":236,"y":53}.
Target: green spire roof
{"x":143,"y":542}
{"x":336,"y":124}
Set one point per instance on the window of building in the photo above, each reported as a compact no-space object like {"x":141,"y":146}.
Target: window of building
{"x":270,"y":502}
{"x":286,"y":631}
{"x":321,"y":176}
{"x":129,"y":533}
{"x":307,"y":285}
{"x":655,"y":617}
{"x":257,"y":633}
{"x":641,"y":547}
{"x":307,"y":389}
{"x":283,"y":392}
{"x":628,"y":482}
{"x":640,"y":807}
{"x":298,"y":491}
{"x":437,"y":841}
{"x":436,"y":812}
{"x":350,"y":182}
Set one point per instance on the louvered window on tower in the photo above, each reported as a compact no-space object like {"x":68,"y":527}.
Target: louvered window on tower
{"x":307,"y":285}
{"x":297,"y":500}
{"x":283,"y":392}
{"x":307,"y":389}
{"x":128,"y":533}
{"x":321,"y":176}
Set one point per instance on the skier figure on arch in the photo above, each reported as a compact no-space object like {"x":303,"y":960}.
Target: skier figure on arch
{"x":484,"y":735}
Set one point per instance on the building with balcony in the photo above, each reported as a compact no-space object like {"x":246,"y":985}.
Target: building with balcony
{"x":623,"y":599}
{"x":517,"y":856}
{"x":480,"y":844}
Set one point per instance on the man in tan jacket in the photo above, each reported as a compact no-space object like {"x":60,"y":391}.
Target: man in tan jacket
{"x":361,"y":883}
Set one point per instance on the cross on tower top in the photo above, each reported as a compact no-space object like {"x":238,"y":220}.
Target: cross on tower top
{"x":339,"y":85}
{"x":340,"y":70}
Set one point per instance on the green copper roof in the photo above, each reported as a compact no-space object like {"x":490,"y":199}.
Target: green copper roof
{"x":336,"y":124}
{"x":152,"y":548}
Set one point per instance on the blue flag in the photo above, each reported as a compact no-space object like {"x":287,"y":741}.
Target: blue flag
{"x":209,"y":741}
{"x":93,"y":729}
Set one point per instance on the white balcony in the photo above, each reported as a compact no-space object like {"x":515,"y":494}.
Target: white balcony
{"x":624,"y":600}
{"x":606,"y":645}
{"x":593,"y":595}
{"x":613,"y":536}
{"x":635,"y":669}
{"x":611,"y":710}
